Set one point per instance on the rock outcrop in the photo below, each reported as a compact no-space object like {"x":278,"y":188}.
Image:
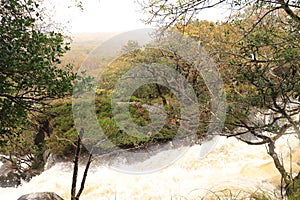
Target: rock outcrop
{"x":41,"y":196}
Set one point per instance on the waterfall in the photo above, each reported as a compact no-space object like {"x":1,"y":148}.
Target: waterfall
{"x":231,"y":164}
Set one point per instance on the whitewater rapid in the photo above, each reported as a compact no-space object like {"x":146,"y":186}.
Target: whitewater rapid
{"x":231,"y":164}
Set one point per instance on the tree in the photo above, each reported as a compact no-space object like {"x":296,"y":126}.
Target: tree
{"x":170,"y":12}
{"x":266,"y":100}
{"x":30,"y":75}
{"x":258,"y":49}
{"x":131,"y":46}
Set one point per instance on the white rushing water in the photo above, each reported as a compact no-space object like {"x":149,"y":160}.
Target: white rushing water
{"x":232,"y":164}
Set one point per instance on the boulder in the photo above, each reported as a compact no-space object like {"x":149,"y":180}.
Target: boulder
{"x":10,"y":179}
{"x":41,"y":196}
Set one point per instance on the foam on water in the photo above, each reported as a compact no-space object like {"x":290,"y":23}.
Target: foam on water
{"x":232,"y":164}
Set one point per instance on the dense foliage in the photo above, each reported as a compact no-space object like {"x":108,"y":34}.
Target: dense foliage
{"x":30,"y":75}
{"x":257,"y":51}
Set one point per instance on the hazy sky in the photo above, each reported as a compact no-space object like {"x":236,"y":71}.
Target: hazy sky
{"x":108,"y":15}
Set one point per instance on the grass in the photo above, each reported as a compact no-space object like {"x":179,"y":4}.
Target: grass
{"x":230,"y":194}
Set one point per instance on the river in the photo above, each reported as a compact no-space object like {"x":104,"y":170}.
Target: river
{"x":232,"y":164}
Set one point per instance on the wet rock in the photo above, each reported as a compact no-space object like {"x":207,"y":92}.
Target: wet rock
{"x":8,"y":175}
{"x":41,"y":196}
{"x":10,"y":179}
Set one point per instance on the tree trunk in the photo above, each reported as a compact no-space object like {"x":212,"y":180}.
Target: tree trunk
{"x":161,"y":95}
{"x":278,"y":164}
{"x":75,"y":170}
{"x":75,"y":196}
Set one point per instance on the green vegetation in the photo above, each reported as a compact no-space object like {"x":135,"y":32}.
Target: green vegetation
{"x":63,"y":133}
{"x":150,"y":94}
{"x":257,"y":51}
{"x":30,"y":77}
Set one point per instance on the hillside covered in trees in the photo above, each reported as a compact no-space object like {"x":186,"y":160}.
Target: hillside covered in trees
{"x":256,"y":53}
